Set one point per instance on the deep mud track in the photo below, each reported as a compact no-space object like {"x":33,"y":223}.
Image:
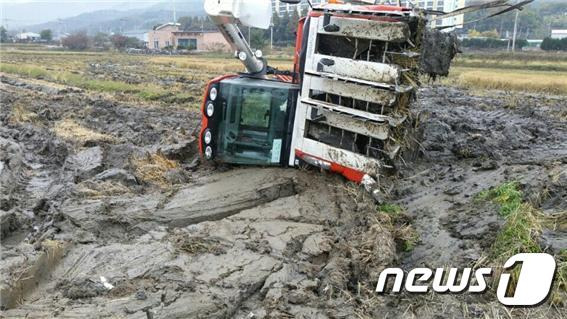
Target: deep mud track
{"x":106,"y":212}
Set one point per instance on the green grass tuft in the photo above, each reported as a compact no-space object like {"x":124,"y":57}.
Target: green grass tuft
{"x":391,"y":209}
{"x":522,"y":228}
{"x":25,"y":70}
{"x":402,"y":230}
{"x":146,"y":92}
{"x":150,"y":95}
{"x":507,"y":195}
{"x":520,"y":233}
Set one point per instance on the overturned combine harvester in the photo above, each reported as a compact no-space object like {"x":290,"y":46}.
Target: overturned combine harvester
{"x":345,"y":105}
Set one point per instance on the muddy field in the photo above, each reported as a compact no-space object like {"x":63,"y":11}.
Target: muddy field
{"x":106,"y":211}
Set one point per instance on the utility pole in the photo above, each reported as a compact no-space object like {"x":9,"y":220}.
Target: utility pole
{"x":515,"y":31}
{"x":272,"y":33}
{"x":174,"y":12}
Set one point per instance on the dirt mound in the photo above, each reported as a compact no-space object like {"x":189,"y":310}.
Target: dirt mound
{"x":439,"y":49}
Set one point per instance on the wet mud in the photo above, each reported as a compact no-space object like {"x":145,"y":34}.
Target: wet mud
{"x":107,"y":212}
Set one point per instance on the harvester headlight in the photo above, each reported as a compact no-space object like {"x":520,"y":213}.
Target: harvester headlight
{"x":210,"y":109}
{"x":208,"y":137}
{"x":208,"y":152}
{"x":213,"y":94}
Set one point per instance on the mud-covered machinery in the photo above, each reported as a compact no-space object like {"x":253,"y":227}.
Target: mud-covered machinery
{"x":345,"y":105}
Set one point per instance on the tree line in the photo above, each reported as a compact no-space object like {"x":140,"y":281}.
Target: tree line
{"x":534,"y":22}
{"x":550,"y":44}
{"x":45,"y":35}
{"x":492,"y":43}
{"x":82,"y":41}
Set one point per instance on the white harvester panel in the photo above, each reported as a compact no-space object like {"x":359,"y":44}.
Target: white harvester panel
{"x":366,"y":29}
{"x":359,"y":69}
{"x":355,"y":91}
{"x":345,"y":112}
{"x":339,"y":109}
{"x":377,"y":130}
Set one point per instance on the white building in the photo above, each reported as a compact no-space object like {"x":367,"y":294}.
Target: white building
{"x":558,"y":34}
{"x":280,"y":7}
{"x":441,"y":5}
{"x":28,"y":36}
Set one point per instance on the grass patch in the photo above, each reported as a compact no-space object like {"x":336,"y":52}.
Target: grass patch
{"x":508,"y":80}
{"x":76,"y":69}
{"x":150,"y":95}
{"x":24,"y":70}
{"x":148,"y":92}
{"x":521,"y":233}
{"x":399,"y":223}
{"x":520,"y":61}
{"x":517,"y":57}
{"x":512,"y":65}
{"x":81,"y":81}
{"x":507,"y":195}
{"x":522,"y":227}
{"x":95,"y":190}
{"x":70,"y":130}
{"x":153,"y":168}
{"x":391,"y":209}
{"x":20,"y":114}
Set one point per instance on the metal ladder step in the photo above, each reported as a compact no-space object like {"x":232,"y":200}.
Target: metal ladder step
{"x":386,"y":31}
{"x":354,"y":112}
{"x":350,"y":123}
{"x":392,"y":87}
{"x":363,"y":70}
{"x":360,"y":92}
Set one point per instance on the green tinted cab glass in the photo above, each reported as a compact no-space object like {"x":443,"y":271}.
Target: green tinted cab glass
{"x":253,"y":122}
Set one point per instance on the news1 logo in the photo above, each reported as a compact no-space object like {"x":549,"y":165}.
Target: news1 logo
{"x":531,"y":288}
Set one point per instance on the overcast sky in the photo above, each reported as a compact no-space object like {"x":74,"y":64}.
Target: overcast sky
{"x":15,"y":13}
{"x":18,"y":13}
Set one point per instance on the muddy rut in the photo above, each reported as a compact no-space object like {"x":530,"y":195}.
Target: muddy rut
{"x":107,"y":212}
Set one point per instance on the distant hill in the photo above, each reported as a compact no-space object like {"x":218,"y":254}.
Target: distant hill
{"x":123,"y":21}
{"x":18,"y":14}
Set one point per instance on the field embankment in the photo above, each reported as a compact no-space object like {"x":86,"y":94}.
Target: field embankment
{"x":537,"y":72}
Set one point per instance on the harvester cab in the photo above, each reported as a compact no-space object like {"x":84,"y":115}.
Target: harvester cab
{"x":345,"y":105}
{"x":248,"y":121}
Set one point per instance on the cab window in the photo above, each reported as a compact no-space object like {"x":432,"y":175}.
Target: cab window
{"x":253,"y":127}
